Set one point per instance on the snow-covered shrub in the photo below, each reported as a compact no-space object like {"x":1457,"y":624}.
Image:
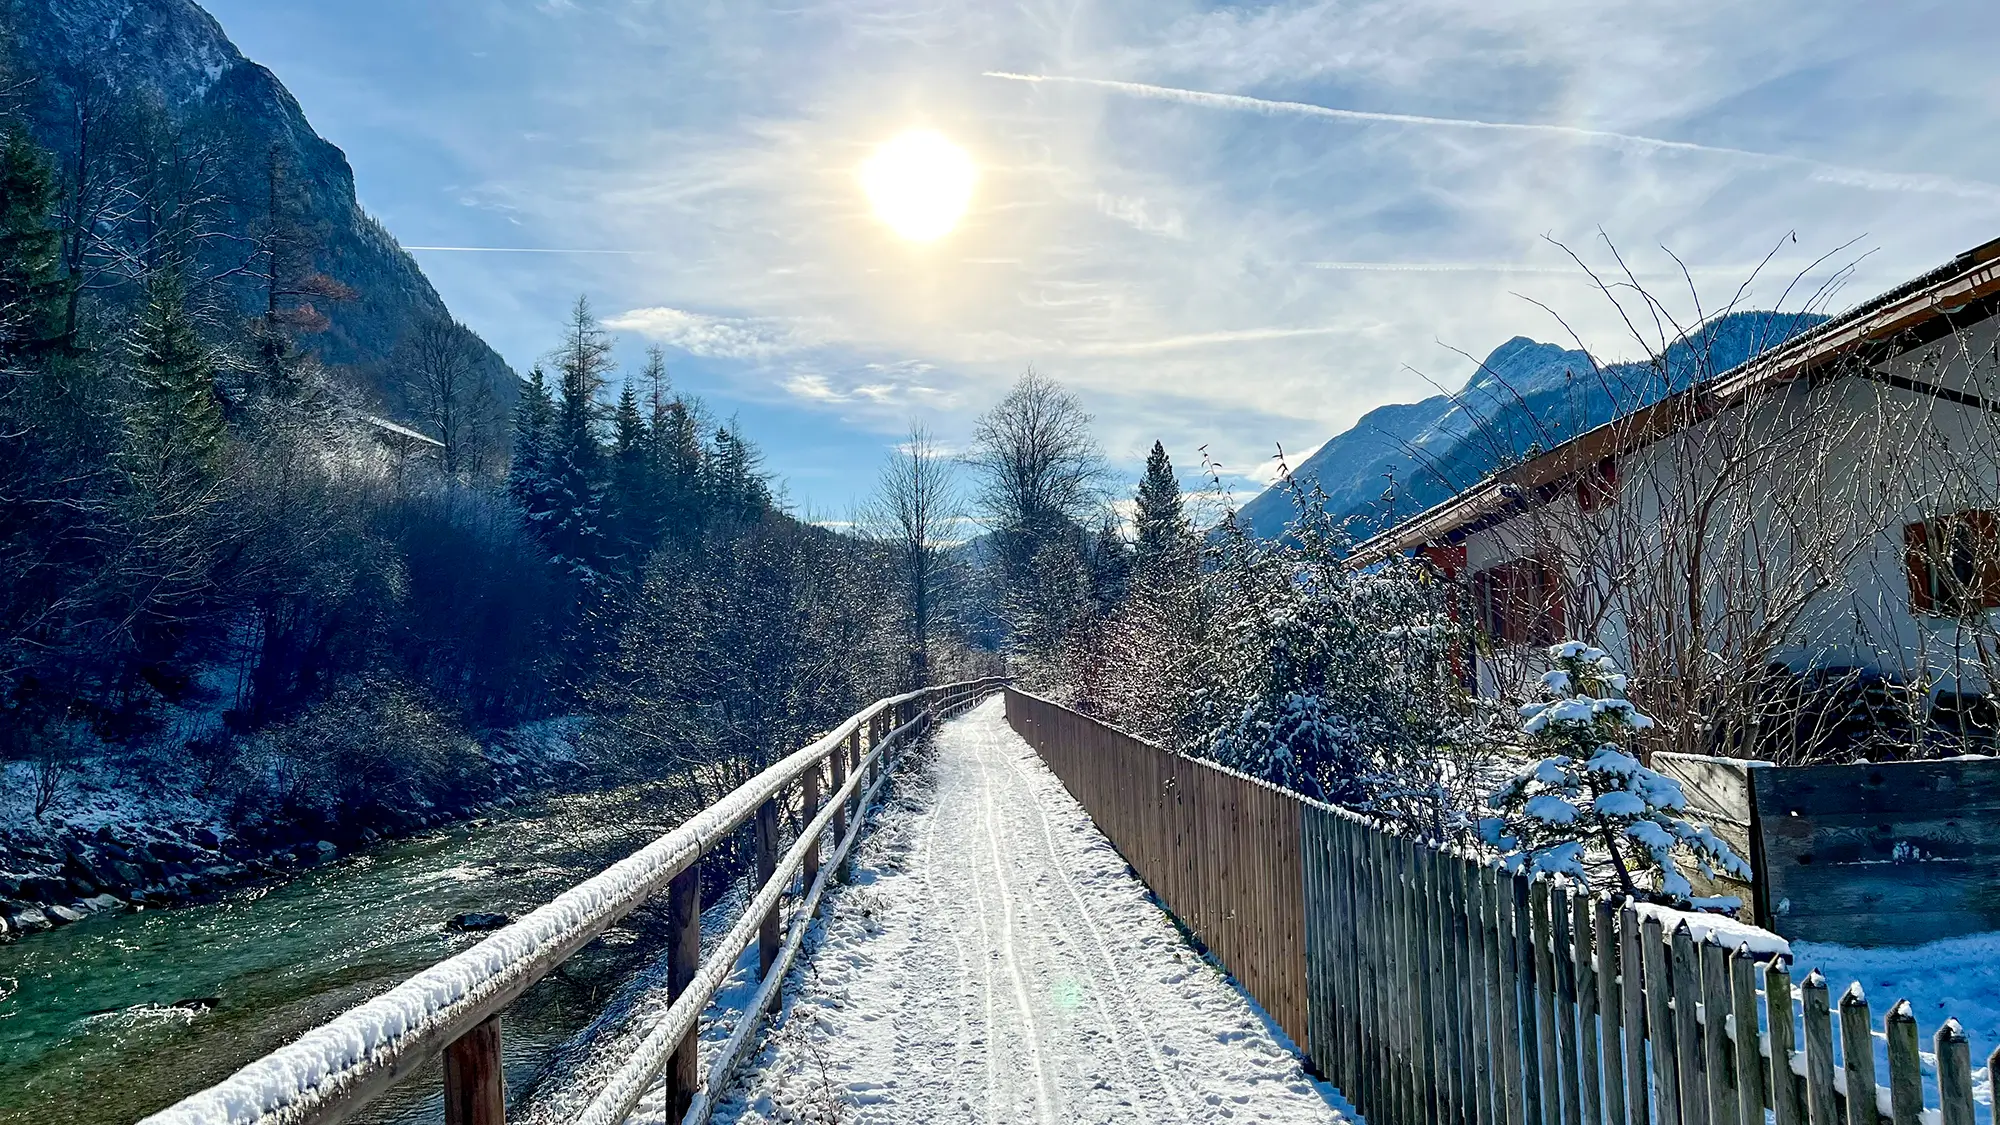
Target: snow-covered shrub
{"x":1339,"y":684}
{"x":1589,"y":795}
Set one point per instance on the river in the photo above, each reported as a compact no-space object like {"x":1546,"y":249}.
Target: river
{"x":89,"y":1030}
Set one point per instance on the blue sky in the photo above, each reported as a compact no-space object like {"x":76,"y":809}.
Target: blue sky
{"x":1179,"y":231}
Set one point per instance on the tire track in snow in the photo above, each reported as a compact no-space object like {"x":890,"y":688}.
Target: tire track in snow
{"x":1061,"y":864}
{"x":961,"y":1038}
{"x":1007,"y":953}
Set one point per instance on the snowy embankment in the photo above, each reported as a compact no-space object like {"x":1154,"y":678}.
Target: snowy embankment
{"x":141,"y":831}
{"x":994,"y":959}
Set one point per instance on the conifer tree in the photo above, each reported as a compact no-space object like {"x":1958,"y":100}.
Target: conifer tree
{"x":678,"y":467}
{"x":174,"y":421}
{"x":534,"y":420}
{"x":575,"y":535}
{"x":632,"y":491}
{"x":1160,"y":525}
{"x":32,"y":289}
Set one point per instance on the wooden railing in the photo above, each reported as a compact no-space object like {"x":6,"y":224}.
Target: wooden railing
{"x":454,"y":1007}
{"x":1430,"y":984}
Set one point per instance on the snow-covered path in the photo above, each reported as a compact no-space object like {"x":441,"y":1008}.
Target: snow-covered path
{"x":995,"y":961}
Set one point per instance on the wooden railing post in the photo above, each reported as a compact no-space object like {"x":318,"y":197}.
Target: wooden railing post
{"x":683,"y":961}
{"x":767,"y":865}
{"x":475,"y":1084}
{"x":808,"y":809}
{"x":854,"y":765}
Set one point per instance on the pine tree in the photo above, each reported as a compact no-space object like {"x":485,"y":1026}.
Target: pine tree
{"x":632,"y":496}
{"x":1589,"y":790}
{"x":1159,"y":522}
{"x":679,"y":466}
{"x":174,"y":421}
{"x":534,"y":420}
{"x":575,"y":535}
{"x":736,"y":488}
{"x":32,"y":288}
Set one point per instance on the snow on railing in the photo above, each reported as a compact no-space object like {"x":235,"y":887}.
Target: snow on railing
{"x":332,"y":1070}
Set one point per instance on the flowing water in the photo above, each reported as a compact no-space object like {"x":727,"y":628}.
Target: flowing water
{"x":119,"y":1015}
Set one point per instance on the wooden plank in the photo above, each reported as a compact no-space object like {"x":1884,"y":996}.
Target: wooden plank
{"x":1563,"y":956}
{"x":1588,"y":1021}
{"x":475,"y":1082}
{"x":1747,"y":1070}
{"x":1954,"y":1065}
{"x":1660,"y":1030}
{"x":1632,"y":969}
{"x":1424,"y":960}
{"x":1482,"y":1032}
{"x":1611,"y":1002}
{"x":1715,"y":1055}
{"x":1857,"y":1056}
{"x":1906,"y":1076}
{"x":1818,"y":1021}
{"x":1685,"y":972}
{"x":1510,"y":894}
{"x":1786,"y":1106}
{"x":1541,"y":1017}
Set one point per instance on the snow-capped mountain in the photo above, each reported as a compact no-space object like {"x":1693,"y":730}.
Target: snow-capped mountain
{"x":1398,"y":460}
{"x":129,"y":60}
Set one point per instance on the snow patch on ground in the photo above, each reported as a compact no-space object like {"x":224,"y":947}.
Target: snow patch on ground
{"x":994,"y":959}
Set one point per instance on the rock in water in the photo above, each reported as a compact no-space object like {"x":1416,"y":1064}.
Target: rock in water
{"x":478,"y":920}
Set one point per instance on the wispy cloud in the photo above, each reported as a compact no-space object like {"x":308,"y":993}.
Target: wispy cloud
{"x":714,"y":337}
{"x":1865,"y":178}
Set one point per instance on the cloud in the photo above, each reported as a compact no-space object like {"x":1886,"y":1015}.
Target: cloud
{"x":714,"y":337}
{"x":1864,"y":178}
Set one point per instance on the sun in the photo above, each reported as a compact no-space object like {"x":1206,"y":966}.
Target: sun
{"x":919,"y":184}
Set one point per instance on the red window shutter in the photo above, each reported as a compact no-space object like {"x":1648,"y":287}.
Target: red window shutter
{"x":1985,"y":529}
{"x":1917,"y":561}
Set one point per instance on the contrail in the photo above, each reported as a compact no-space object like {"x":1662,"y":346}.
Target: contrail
{"x":515,"y":250}
{"x":1866,"y":178}
{"x":1506,"y":267}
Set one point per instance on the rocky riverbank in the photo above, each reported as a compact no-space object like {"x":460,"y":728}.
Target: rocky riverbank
{"x":118,"y":847}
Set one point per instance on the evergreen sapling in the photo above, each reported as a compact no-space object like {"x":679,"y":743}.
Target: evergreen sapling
{"x":1590,"y":793}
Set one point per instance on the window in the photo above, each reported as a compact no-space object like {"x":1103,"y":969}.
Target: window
{"x":1519,"y":602}
{"x":1954,"y":563}
{"x":1597,"y":486}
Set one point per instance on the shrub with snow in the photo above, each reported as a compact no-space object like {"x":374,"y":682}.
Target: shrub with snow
{"x":1590,"y":795}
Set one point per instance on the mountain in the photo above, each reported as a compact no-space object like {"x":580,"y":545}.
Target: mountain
{"x":1400,"y":459}
{"x":137,"y":70}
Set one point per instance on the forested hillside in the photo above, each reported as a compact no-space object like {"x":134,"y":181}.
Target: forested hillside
{"x":153,"y":114}
{"x":244,"y":621}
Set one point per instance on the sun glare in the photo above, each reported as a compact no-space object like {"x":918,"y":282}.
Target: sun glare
{"x":919,"y":184}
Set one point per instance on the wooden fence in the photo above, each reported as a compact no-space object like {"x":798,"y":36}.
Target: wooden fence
{"x":1435,"y":986}
{"x":454,"y":1007}
{"x":1884,"y":853}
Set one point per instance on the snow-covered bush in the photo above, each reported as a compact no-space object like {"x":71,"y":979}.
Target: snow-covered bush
{"x":1335,"y":683}
{"x":1589,"y":795}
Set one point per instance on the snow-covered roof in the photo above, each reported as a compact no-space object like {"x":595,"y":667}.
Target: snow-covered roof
{"x":400,"y":430}
{"x":1908,"y":315}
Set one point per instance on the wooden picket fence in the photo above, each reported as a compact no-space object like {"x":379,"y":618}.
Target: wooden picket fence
{"x":1432,"y":985}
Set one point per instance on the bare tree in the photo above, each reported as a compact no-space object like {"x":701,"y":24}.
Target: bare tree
{"x":916,"y":513}
{"x":437,"y":356}
{"x":1710,"y":532}
{"x":1041,"y":471}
